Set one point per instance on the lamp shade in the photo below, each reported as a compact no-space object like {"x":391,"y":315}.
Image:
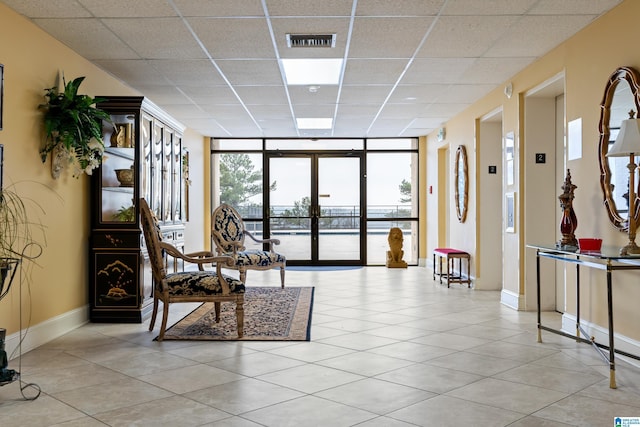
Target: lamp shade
{"x":628,"y":140}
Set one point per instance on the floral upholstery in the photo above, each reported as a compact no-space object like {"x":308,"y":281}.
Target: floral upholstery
{"x":187,"y":286}
{"x":259,"y":258}
{"x":200,"y":283}
{"x":230,"y":228}
{"x":228,"y":234}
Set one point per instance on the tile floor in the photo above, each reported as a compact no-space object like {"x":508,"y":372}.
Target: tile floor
{"x":389,"y":347}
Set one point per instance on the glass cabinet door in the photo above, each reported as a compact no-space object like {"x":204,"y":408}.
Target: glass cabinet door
{"x":118,"y":170}
{"x":167,"y":165}
{"x":146,"y":154}
{"x":176,"y":176}
{"x":156,"y":172}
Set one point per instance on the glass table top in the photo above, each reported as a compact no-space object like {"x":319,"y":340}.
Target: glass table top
{"x":605,"y":252}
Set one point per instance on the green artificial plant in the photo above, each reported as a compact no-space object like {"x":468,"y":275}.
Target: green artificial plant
{"x":73,"y":123}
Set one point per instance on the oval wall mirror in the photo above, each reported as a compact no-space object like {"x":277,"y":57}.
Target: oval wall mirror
{"x":620,"y":98}
{"x":461,"y":180}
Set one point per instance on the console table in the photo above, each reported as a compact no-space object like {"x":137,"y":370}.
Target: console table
{"x":607,"y":259}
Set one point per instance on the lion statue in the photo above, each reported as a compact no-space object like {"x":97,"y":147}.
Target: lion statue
{"x":395,"y":252}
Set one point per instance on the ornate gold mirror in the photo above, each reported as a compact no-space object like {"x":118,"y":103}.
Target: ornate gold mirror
{"x":620,"y":98}
{"x":461,"y":183}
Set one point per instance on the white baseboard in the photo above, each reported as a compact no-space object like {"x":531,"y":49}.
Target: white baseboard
{"x":601,"y":335}
{"x":511,"y":299}
{"x":42,"y":333}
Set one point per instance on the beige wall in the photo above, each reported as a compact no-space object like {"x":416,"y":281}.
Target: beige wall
{"x":587,"y":60}
{"x":54,"y":298}
{"x":195,"y":239}
{"x":32,"y":60}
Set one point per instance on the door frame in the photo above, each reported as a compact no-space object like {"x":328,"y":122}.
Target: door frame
{"x":314,"y":156}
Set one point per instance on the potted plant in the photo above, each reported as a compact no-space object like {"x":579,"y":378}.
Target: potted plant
{"x":125,"y":214}
{"x":17,"y":245}
{"x":17,"y":242}
{"x":73,"y":129}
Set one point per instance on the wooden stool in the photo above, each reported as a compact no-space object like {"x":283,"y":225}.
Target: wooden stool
{"x":451,"y":255}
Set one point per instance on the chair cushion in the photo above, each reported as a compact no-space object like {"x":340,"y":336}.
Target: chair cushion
{"x":229,"y":226}
{"x":200,"y":283}
{"x":255,"y":257}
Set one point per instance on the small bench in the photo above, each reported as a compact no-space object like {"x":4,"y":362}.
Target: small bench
{"x":451,"y":255}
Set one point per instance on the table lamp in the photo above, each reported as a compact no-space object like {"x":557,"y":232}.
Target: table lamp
{"x":628,"y":144}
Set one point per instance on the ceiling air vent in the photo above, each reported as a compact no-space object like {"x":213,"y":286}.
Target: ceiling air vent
{"x":311,"y":40}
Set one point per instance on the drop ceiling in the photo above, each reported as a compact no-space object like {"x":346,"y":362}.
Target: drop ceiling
{"x":409,"y":65}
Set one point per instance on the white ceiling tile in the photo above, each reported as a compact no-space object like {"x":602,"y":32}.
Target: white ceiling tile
{"x":388,"y":127}
{"x":417,"y":131}
{"x":399,"y":8}
{"x":423,"y":94}
{"x":494,"y":70}
{"x":373,"y":71}
{"x":157,"y":38}
{"x":442,"y":109}
{"x":398,"y":111}
{"x":226,"y":111}
{"x":428,"y":122}
{"x":219,"y":8}
{"x":135,"y":72}
{"x":197,"y":72}
{"x":352,"y":111}
{"x":343,"y":123}
{"x":309,"y":7}
{"x":260,"y":95}
{"x":493,"y":7}
{"x":237,"y":122}
{"x":251,"y":72}
{"x":572,"y":7}
{"x":128,"y":8}
{"x":465,"y":36}
{"x":387,"y":37}
{"x":324,"y":95}
{"x":465,"y":94}
{"x":163,"y":94}
{"x":270,"y":112}
{"x":273,"y":126}
{"x":210,"y":95}
{"x":48,"y":9}
{"x":187,"y":55}
{"x":224,"y":38}
{"x":188,"y":111}
{"x":364,"y":94}
{"x":539,"y":34}
{"x":436,"y":70}
{"x":88,"y":37}
{"x":208,"y":127}
{"x":313,"y":111}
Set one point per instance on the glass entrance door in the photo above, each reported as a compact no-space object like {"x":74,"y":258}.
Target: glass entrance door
{"x":315,"y":207}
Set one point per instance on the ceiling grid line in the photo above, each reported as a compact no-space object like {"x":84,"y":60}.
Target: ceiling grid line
{"x":408,"y":67}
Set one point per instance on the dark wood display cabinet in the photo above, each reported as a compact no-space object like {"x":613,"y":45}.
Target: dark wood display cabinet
{"x":143,"y":158}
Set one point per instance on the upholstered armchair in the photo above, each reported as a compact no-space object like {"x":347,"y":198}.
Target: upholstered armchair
{"x":228,"y":233}
{"x":187,"y":286}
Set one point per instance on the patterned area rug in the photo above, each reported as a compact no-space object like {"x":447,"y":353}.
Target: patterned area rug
{"x":270,"y":314}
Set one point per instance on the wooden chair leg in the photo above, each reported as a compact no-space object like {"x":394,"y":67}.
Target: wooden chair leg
{"x":165,"y":315}
{"x":217,"y":311}
{"x":243,"y":276}
{"x":240,"y":316}
{"x":282,"y":276}
{"x":154,"y":314}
